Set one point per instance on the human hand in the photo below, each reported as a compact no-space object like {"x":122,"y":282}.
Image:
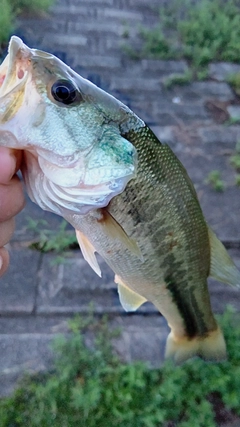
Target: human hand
{"x":11,"y":199}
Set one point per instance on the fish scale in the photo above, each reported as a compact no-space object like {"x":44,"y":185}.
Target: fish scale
{"x":165,"y":265}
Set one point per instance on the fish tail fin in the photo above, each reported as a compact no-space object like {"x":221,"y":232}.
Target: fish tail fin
{"x":211,"y":347}
{"x":222,"y":267}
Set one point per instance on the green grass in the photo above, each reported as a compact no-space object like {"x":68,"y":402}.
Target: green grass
{"x":178,"y":79}
{"x":47,"y":239}
{"x":6,"y":20}
{"x":234,"y":81}
{"x":215,"y":180}
{"x":237,"y":180}
{"x":235,"y":160}
{"x":201,"y":32}
{"x":91,"y":387}
{"x":10,"y":9}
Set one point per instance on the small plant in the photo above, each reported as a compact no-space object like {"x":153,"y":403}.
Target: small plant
{"x":203,"y":31}
{"x":237,"y":180}
{"x":20,"y":6}
{"x":155,"y":44}
{"x":10,"y":9}
{"x":214,"y":178}
{"x":232,"y":121}
{"x":211,"y":31}
{"x":234,"y":81}
{"x":178,"y":79}
{"x":51,"y":240}
{"x":235,"y":159}
{"x":202,"y":74}
{"x":6,"y":20}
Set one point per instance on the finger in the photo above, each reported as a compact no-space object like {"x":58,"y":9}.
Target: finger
{"x":9,"y":163}
{"x":4,"y":260}
{"x":11,"y":199}
{"x":6,"y":231}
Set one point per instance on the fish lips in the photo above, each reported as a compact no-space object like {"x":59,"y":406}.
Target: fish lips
{"x":14,"y":69}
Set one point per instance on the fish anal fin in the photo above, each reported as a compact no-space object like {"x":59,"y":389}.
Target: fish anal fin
{"x":222,"y":267}
{"x":114,"y":230}
{"x":211,"y":347}
{"x":129,"y":299}
{"x":88,"y":252}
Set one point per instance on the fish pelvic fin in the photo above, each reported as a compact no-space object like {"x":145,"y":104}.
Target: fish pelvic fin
{"x":129,"y":299}
{"x":114,"y":230}
{"x":222,"y":267}
{"x":88,"y":252}
{"x":210,"y":347}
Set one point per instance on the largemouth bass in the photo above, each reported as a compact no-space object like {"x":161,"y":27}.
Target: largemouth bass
{"x":90,"y":159}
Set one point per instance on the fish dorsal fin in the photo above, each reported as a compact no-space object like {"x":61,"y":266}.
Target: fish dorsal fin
{"x":88,"y":252}
{"x":129,"y":299}
{"x":222,"y":267}
{"x":114,"y":230}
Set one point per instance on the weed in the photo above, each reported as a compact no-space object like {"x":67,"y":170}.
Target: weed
{"x":51,"y":240}
{"x":178,"y":79}
{"x":214,"y":178}
{"x":91,"y":387}
{"x":6,"y":20}
{"x":126,"y":30}
{"x":202,"y":74}
{"x":235,"y":161}
{"x":20,"y":6}
{"x":232,"y":121}
{"x":155,"y":44}
{"x":10,"y":9}
{"x":198,"y":31}
{"x":237,"y":148}
{"x":237,"y":180}
{"x":234,"y":81}
{"x":210,"y":31}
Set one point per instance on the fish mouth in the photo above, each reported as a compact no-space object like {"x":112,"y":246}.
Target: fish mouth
{"x":14,"y":69}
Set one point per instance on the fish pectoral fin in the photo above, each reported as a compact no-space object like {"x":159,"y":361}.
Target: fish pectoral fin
{"x":222,"y":267}
{"x":114,"y":230}
{"x":129,"y":299}
{"x":211,"y":347}
{"x":88,"y":252}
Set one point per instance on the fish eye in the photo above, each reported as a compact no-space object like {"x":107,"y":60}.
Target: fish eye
{"x":64,"y":91}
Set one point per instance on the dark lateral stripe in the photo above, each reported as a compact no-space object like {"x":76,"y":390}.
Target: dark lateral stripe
{"x":193,"y":321}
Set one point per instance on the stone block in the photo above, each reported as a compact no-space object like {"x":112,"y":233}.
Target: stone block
{"x":213,"y":90}
{"x":97,"y":62}
{"x":135,"y":84}
{"x":234,"y":112}
{"x":177,"y":114}
{"x":224,"y":136}
{"x":70,"y":287}
{"x":221,"y":211}
{"x":120,"y":15}
{"x":20,"y":354}
{"x":19,"y":284}
{"x":148,"y":346}
{"x":161,"y":68}
{"x":65,"y":40}
{"x":222,"y":70}
{"x":165,"y":134}
{"x":33,"y":324}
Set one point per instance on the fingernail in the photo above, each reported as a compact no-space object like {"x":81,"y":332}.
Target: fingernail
{"x":1,"y":262}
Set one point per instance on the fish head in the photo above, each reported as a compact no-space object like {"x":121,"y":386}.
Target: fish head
{"x":76,"y":158}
